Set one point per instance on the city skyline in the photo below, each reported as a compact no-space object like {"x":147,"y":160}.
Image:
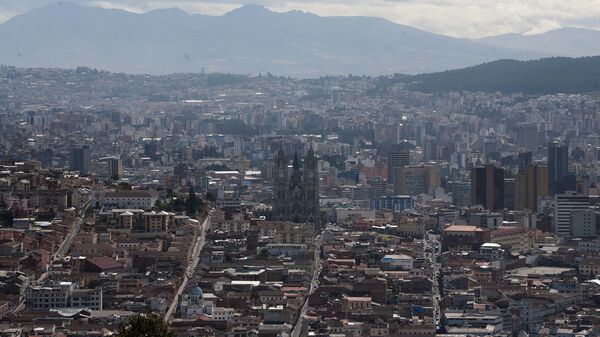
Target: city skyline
{"x":263,"y":171}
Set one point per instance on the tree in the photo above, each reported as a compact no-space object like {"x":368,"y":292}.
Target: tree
{"x":193,"y":203}
{"x":178,"y":204}
{"x":145,"y":326}
{"x":210,"y":196}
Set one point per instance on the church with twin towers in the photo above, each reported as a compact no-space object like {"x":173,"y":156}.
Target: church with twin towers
{"x":296,"y":192}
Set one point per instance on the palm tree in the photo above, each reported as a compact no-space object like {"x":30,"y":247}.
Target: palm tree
{"x":145,"y":326}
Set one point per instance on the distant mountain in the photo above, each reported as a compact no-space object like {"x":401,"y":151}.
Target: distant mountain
{"x":545,"y":76}
{"x":561,"y":42}
{"x":247,"y":40}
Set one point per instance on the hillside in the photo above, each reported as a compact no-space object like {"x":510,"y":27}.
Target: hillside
{"x":544,"y":76}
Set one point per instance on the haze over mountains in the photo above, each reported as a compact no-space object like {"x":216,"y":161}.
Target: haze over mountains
{"x":253,"y":40}
{"x":561,"y":42}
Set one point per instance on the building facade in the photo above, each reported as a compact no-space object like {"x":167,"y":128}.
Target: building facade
{"x":558,"y":166}
{"x":416,"y":179}
{"x":530,"y":184}
{"x":81,"y":159}
{"x":296,"y":196}
{"x":487,"y":187}
{"x":564,"y":205}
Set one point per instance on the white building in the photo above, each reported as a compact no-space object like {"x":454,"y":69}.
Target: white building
{"x":87,"y":299}
{"x":56,"y":295}
{"x":492,"y":251}
{"x":129,"y":199}
{"x":48,"y":297}
{"x":222,"y":314}
{"x":564,"y":204}
{"x":397,"y":262}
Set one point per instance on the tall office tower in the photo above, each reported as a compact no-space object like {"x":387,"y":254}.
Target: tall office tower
{"x":387,"y":133}
{"x":296,"y":198}
{"x":115,"y":167}
{"x":461,"y":193}
{"x":430,"y":148}
{"x":397,"y":157}
{"x":417,"y":179}
{"x":81,"y":159}
{"x":558,"y":166}
{"x":238,"y":146}
{"x":509,"y":193}
{"x":525,"y":159}
{"x":531,"y":184}
{"x":564,"y":205}
{"x":583,"y":185}
{"x":527,"y":137}
{"x":487,"y":187}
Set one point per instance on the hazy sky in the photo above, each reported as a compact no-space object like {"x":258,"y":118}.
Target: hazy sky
{"x":461,"y":18}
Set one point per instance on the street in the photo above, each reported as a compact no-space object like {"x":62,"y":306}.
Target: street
{"x":313,"y":286}
{"x":433,"y":246}
{"x":193,"y":259}
{"x":65,"y":247}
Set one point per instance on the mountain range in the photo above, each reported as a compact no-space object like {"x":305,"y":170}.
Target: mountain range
{"x":568,"y":41}
{"x":253,"y":39}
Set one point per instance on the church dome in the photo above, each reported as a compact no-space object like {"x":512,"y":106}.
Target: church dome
{"x":196,"y":292}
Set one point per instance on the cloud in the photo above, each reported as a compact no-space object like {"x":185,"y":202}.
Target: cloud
{"x":461,"y":18}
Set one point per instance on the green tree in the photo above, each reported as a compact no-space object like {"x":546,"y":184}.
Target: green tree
{"x":210,"y":196}
{"x":178,"y":204}
{"x":193,"y":203}
{"x":145,"y":326}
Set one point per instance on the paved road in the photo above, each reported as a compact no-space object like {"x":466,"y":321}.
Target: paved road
{"x":193,"y":259}
{"x":313,"y":286}
{"x":65,"y":247}
{"x":432,"y":241}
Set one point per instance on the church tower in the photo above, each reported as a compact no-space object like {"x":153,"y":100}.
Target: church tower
{"x":296,"y":197}
{"x":296,"y":202}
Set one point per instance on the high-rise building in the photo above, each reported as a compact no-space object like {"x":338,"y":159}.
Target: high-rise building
{"x":558,"y":166}
{"x":525,"y":159}
{"x":296,"y":198}
{"x":387,"y":133}
{"x":430,"y":148}
{"x":487,"y":187}
{"x":115,"y":167}
{"x":531,"y":184}
{"x":417,"y":179}
{"x":461,"y":193}
{"x":397,"y":157}
{"x":583,"y":185}
{"x":564,"y":205}
{"x":81,"y":159}
{"x":509,"y":193}
{"x":527,"y":137}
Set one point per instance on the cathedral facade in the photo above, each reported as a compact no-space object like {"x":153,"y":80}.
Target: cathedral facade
{"x":296,"y":193}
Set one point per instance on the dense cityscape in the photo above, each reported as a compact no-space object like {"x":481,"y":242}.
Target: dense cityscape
{"x":268,"y":206}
